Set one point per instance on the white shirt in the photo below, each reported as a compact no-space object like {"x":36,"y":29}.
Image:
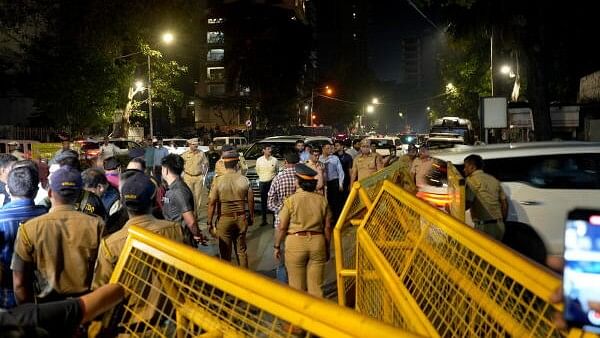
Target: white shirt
{"x":266,"y":169}
{"x":107,"y":151}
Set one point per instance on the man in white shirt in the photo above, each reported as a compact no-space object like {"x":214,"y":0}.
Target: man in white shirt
{"x":355,"y":149}
{"x":267,"y":167}
{"x":107,"y":150}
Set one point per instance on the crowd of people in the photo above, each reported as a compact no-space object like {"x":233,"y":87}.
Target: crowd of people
{"x":60,"y":240}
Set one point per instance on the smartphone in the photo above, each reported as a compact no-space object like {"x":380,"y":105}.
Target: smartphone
{"x":581,"y":277}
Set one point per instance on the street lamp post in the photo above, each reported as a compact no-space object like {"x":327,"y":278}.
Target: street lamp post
{"x":167,"y":38}
{"x":150,"y":99}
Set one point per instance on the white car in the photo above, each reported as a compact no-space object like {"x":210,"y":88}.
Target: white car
{"x":542,"y":180}
{"x":179,"y":145}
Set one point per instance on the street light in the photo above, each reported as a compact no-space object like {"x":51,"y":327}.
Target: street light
{"x":166,"y":38}
{"x":328,"y":91}
{"x":375,"y":100}
{"x":139,"y":85}
{"x":507,"y":70}
{"x":370,"y":108}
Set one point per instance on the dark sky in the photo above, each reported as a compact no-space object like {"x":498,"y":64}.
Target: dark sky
{"x":391,"y":21}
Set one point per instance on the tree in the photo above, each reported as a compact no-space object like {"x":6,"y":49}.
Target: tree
{"x":546,"y":35}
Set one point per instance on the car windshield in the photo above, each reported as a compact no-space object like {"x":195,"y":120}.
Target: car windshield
{"x":448,"y":130}
{"x":178,"y":143}
{"x":219,"y":142}
{"x":279,"y":149}
{"x":382,"y":143}
{"x":408,"y":139}
{"x":89,"y":146}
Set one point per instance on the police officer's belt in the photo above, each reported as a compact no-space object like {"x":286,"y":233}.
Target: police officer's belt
{"x":192,"y":174}
{"x":233,"y":214}
{"x":306,"y":233}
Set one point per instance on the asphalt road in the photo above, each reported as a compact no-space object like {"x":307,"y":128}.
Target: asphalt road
{"x":259,"y":241}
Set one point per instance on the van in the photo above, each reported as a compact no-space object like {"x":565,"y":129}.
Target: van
{"x":454,"y":125}
{"x":237,"y":141}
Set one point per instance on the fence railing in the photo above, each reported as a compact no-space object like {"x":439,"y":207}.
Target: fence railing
{"x":420,"y":269}
{"x":344,"y":234}
{"x":173,"y":290}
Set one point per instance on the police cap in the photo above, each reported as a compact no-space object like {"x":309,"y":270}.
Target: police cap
{"x":65,"y":178}
{"x":305,"y":172}
{"x":137,"y":191}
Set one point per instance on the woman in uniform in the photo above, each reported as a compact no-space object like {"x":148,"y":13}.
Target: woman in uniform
{"x":305,"y":225}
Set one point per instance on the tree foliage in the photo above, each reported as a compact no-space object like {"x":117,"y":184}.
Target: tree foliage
{"x":549,"y":36}
{"x":71,"y":63}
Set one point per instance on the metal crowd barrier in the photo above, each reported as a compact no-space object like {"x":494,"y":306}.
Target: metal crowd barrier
{"x":422,"y":270}
{"x":359,"y":200}
{"x":175,"y":291}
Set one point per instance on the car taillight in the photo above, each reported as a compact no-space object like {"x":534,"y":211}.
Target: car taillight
{"x":439,"y":200}
{"x":93,"y":152}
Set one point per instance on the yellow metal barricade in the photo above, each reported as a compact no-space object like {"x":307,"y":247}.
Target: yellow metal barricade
{"x":456,"y":192}
{"x":422,"y":270}
{"x":175,"y":291}
{"x":344,"y":234}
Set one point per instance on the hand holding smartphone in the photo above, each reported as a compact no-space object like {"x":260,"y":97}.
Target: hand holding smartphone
{"x":581,"y":277}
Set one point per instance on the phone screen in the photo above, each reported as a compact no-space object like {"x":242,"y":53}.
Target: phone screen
{"x":581,"y":278}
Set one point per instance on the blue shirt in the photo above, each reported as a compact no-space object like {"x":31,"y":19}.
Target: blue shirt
{"x":11,"y":216}
{"x":159,"y":154}
{"x":333,"y":167}
{"x":149,"y":156}
{"x":304,"y":156}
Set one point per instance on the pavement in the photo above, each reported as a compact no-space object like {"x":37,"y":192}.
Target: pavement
{"x":259,"y":242}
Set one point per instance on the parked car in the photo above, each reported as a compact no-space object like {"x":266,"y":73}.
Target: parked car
{"x":543,"y":181}
{"x":237,"y":141}
{"x":176,"y":145}
{"x":280,"y":146}
{"x":90,"y":148}
{"x":383,"y":143}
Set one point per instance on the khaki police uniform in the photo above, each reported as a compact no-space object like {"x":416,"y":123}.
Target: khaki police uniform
{"x":193,"y":175}
{"x":220,"y":166}
{"x":111,"y":246}
{"x":305,"y":244}
{"x":419,"y":169}
{"x":63,"y":246}
{"x":366,"y":165}
{"x":485,"y":194}
{"x":405,"y":179}
{"x":319,"y":167}
{"x":230,"y":190}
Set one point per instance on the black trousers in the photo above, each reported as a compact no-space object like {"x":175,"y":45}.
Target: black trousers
{"x":335,"y":198}
{"x":264,"y":194}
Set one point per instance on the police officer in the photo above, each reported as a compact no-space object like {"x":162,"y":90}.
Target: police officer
{"x":59,"y":248}
{"x":178,"y":203}
{"x":220,"y":165}
{"x":405,"y":179}
{"x":228,"y":197}
{"x":421,"y":166}
{"x":194,"y":169}
{"x":485,"y":197}
{"x":366,"y":163}
{"x":305,"y":225}
{"x":137,"y":194}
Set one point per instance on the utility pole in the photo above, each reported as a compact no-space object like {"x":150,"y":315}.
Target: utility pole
{"x":150,"y":99}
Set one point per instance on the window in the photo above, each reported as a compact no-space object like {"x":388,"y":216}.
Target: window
{"x":215,"y":37}
{"x":213,"y":21}
{"x":278,"y":150}
{"x":573,"y":171}
{"x":215,"y":73}
{"x":216,"y":89}
{"x":215,"y":55}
